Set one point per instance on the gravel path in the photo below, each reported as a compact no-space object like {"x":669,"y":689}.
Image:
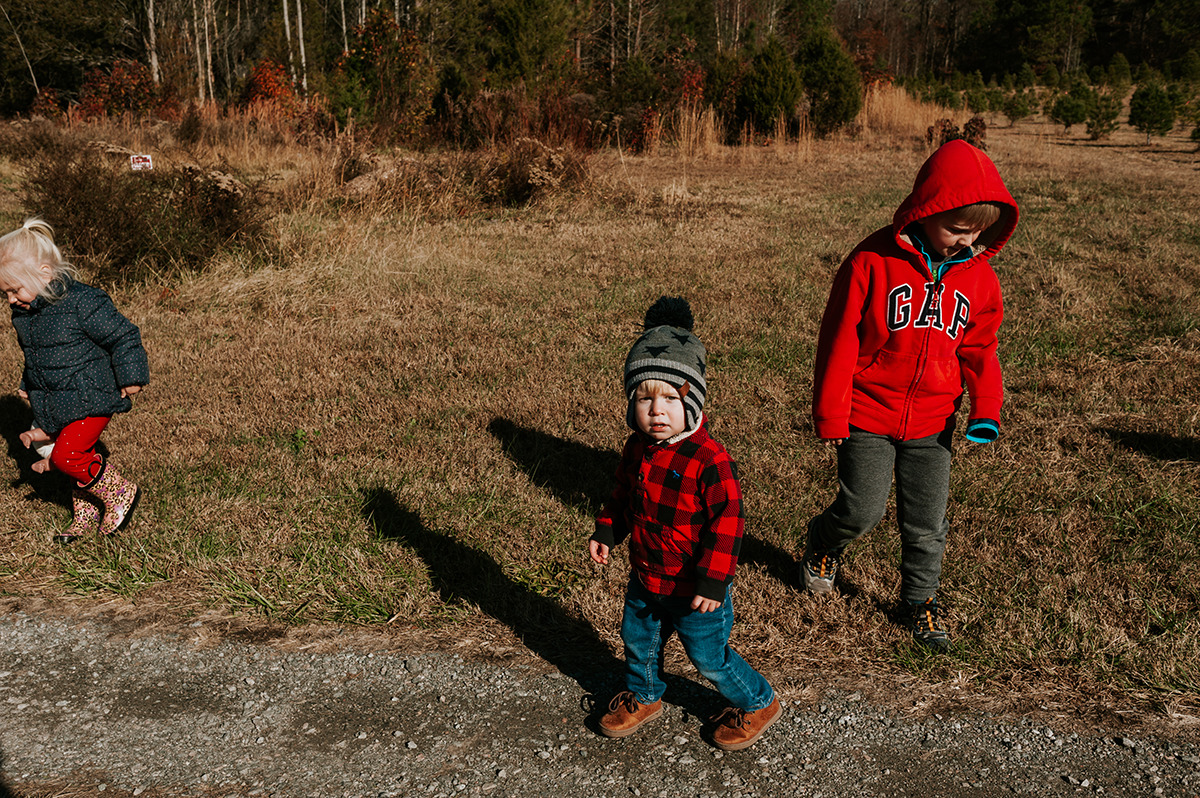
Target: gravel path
{"x":158,"y":716}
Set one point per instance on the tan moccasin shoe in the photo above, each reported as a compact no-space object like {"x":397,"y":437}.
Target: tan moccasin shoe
{"x":625,"y":715}
{"x":738,"y":729}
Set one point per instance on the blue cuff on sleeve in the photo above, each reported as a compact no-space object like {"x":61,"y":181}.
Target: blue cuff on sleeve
{"x":983,"y":430}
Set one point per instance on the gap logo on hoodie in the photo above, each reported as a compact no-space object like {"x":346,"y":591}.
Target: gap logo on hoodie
{"x":931,"y":314}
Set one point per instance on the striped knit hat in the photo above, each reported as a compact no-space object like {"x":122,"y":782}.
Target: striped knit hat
{"x":668,"y":351}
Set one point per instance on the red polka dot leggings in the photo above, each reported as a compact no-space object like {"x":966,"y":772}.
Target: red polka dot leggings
{"x":75,"y":449}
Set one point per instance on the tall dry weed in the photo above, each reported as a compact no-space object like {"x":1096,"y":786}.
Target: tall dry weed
{"x":697,"y":131}
{"x":891,"y":115}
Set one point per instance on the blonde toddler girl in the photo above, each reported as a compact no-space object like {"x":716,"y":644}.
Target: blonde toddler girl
{"x":83,"y":362}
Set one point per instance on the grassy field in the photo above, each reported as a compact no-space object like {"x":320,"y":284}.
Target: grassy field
{"x":405,"y":417}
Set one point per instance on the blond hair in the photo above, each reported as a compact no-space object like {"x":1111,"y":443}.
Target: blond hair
{"x":24,"y":251}
{"x":977,"y":216}
{"x":655,"y":388}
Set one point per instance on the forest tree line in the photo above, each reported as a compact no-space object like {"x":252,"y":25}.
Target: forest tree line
{"x":409,"y":61}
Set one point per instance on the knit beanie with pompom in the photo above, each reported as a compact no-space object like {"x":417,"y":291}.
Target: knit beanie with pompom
{"x":668,"y":351}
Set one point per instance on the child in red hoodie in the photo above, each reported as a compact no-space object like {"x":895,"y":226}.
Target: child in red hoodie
{"x":911,"y":318}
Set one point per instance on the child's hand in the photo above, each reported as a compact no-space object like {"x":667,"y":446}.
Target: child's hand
{"x":599,"y":552}
{"x":702,"y":604}
{"x":130,"y":390}
{"x":833,"y":441}
{"x":43,"y":466}
{"x":22,"y":394}
{"x":35,"y":435}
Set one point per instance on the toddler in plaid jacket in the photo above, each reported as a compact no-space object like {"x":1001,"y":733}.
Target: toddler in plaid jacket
{"x":679,"y":503}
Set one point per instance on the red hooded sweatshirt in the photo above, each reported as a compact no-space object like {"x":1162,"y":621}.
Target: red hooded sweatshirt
{"x":897,"y":342}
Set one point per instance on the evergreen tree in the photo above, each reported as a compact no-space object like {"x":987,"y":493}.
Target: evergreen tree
{"x":525,"y":40}
{"x":1026,"y":78}
{"x":771,"y":88}
{"x":831,"y":81}
{"x":1188,"y":68}
{"x":1051,"y":78}
{"x":1102,"y":122}
{"x":1074,"y":107}
{"x":1119,"y":74}
{"x":1017,"y":107}
{"x":1151,"y":111}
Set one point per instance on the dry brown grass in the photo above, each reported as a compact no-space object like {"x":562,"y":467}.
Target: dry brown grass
{"x":408,"y":424}
{"x":891,"y":114}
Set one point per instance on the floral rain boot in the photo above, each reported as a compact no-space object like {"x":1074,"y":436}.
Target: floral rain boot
{"x":118,"y":495}
{"x":87,"y":517}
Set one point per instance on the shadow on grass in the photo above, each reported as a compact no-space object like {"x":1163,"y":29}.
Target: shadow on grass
{"x":583,"y":476}
{"x":15,"y":418}
{"x":569,"y":643}
{"x":578,"y":475}
{"x":1155,"y":444}
{"x":780,"y":565}
{"x":461,"y":573}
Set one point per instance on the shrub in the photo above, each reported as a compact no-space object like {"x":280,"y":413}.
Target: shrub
{"x":975,"y":132}
{"x":1151,"y":111}
{"x":941,"y":131}
{"x":191,"y":127}
{"x":647,"y":132}
{"x":529,"y":170}
{"x":120,"y":223}
{"x":127,"y":86}
{"x":45,"y":104}
{"x":269,"y":83}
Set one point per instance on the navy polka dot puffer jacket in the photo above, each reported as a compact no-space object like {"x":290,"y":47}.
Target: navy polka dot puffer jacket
{"x":79,"y":352}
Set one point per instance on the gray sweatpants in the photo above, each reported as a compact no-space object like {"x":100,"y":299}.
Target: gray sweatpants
{"x":866,"y":463}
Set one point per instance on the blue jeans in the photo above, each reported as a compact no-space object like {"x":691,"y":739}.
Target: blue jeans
{"x":648,"y":622}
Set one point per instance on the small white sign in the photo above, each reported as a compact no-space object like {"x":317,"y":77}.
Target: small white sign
{"x":141,"y":162}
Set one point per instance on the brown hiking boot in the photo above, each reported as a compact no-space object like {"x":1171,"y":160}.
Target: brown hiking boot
{"x":738,"y":729}
{"x":625,"y":715}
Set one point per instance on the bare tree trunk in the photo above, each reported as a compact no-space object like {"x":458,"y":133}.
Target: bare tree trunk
{"x":199,"y":54}
{"x":152,"y":43}
{"x":629,"y":29}
{"x":345,"y":35}
{"x":287,"y":34}
{"x":717,"y":26}
{"x":612,"y":42}
{"x":209,"y":22}
{"x":300,"y":38}
{"x":637,"y":39}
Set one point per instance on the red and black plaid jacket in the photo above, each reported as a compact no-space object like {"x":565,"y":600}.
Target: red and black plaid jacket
{"x":680,"y":505}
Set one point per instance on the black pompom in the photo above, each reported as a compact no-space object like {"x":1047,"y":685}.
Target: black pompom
{"x":673,"y":311}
